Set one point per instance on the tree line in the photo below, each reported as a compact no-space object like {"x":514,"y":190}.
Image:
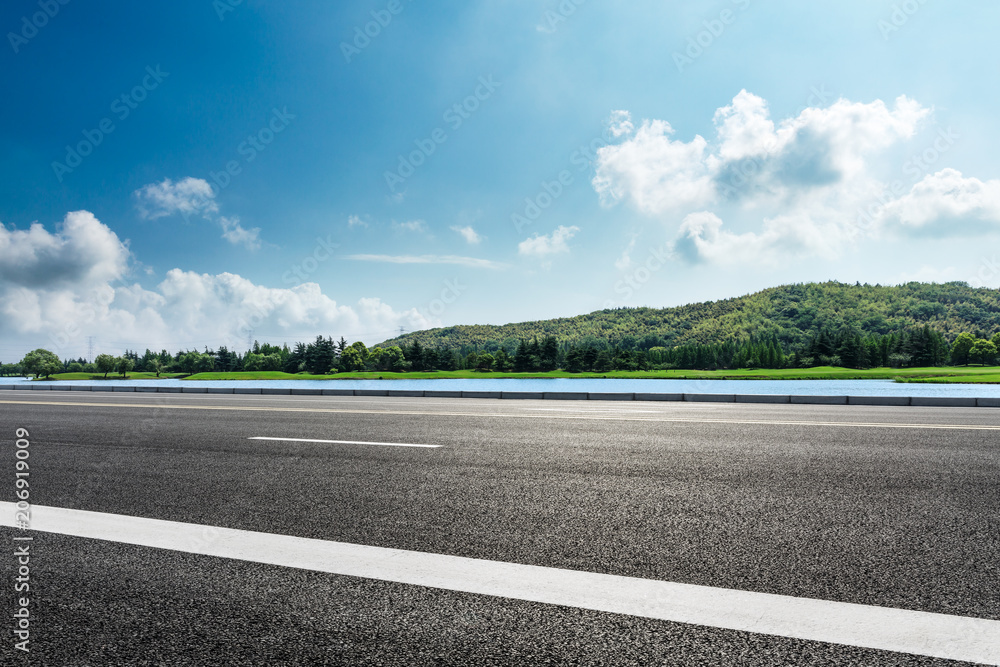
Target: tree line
{"x":847,"y":347}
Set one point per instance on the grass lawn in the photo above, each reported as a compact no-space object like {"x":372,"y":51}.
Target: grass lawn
{"x":938,"y":374}
{"x":259,"y":375}
{"x":112,"y":376}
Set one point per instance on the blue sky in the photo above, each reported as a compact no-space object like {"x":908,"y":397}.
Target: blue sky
{"x":482,"y":162}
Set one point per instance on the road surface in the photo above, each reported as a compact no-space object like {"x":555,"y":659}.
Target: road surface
{"x":894,"y":508}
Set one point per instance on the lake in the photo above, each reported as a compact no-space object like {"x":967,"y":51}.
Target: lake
{"x":799,"y":387}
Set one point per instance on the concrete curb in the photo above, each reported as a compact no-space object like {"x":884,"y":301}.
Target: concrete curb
{"x":915,"y":401}
{"x":600,"y":396}
{"x":878,"y":400}
{"x":943,"y":401}
{"x":659,"y":397}
{"x":565,"y":395}
{"x":819,"y":400}
{"x":762,"y":398}
{"x":710,"y":398}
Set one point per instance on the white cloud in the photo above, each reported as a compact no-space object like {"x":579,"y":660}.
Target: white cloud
{"x":58,"y":288}
{"x":471,"y":262}
{"x":946,"y":197}
{"x":750,"y":158}
{"x":620,"y":124}
{"x":655,"y":172}
{"x":544,"y":245}
{"x":83,"y":252}
{"x":701,"y":238}
{"x":235,"y":233}
{"x":354,"y":221}
{"x":187,"y":196}
{"x":803,"y":180}
{"x":418,"y":226}
{"x":744,"y":128}
{"x":468,"y":233}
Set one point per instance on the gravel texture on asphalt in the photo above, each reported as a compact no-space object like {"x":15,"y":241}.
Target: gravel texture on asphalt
{"x":102,"y":603}
{"x":896,"y":517}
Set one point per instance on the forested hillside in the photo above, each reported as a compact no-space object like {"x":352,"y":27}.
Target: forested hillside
{"x":792,"y":314}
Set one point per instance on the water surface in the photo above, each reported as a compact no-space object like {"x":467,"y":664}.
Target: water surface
{"x":626,"y":385}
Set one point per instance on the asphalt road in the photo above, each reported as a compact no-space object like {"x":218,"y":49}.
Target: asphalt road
{"x":895,"y":507}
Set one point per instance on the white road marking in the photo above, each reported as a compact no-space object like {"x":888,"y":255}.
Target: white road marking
{"x":348,"y":442}
{"x":882,"y":628}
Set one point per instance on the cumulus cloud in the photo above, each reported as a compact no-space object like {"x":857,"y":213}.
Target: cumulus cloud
{"x":191,"y":196}
{"x":468,"y":233}
{"x":82,"y":251}
{"x":750,"y":156}
{"x":354,"y":221}
{"x":541,"y":245}
{"x":58,"y":288}
{"x":655,"y":172}
{"x":947,"y":197}
{"x":702,"y":238}
{"x":186,"y":197}
{"x":806,"y":185}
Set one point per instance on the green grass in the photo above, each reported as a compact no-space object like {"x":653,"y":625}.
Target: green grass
{"x":941,"y":374}
{"x":947,"y":374}
{"x":987,"y":375}
{"x":259,"y":375}
{"x":111,"y":376}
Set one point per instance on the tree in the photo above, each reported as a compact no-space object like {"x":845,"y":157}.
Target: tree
{"x":961,"y":348}
{"x":549,"y":354}
{"x":157,"y":366}
{"x":123,"y":365}
{"x":485,"y":362}
{"x":362,"y":351}
{"x":350,"y":360}
{"x":320,"y":356}
{"x":392,"y":359}
{"x":41,"y":362}
{"x":105,"y":364}
{"x":295,"y":363}
{"x":503,"y":361}
{"x":375,"y":358}
{"x":984,"y":350}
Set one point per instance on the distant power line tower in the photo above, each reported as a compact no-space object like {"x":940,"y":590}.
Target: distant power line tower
{"x":250,"y":339}
{"x":90,"y":349}
{"x":402,"y":330}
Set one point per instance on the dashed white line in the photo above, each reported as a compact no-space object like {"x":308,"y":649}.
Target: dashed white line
{"x":881,"y":628}
{"x":348,"y":442}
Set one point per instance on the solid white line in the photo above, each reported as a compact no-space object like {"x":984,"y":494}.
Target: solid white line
{"x":882,"y":628}
{"x":348,"y":442}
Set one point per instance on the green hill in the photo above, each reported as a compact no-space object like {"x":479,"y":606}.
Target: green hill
{"x":794,"y":313}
